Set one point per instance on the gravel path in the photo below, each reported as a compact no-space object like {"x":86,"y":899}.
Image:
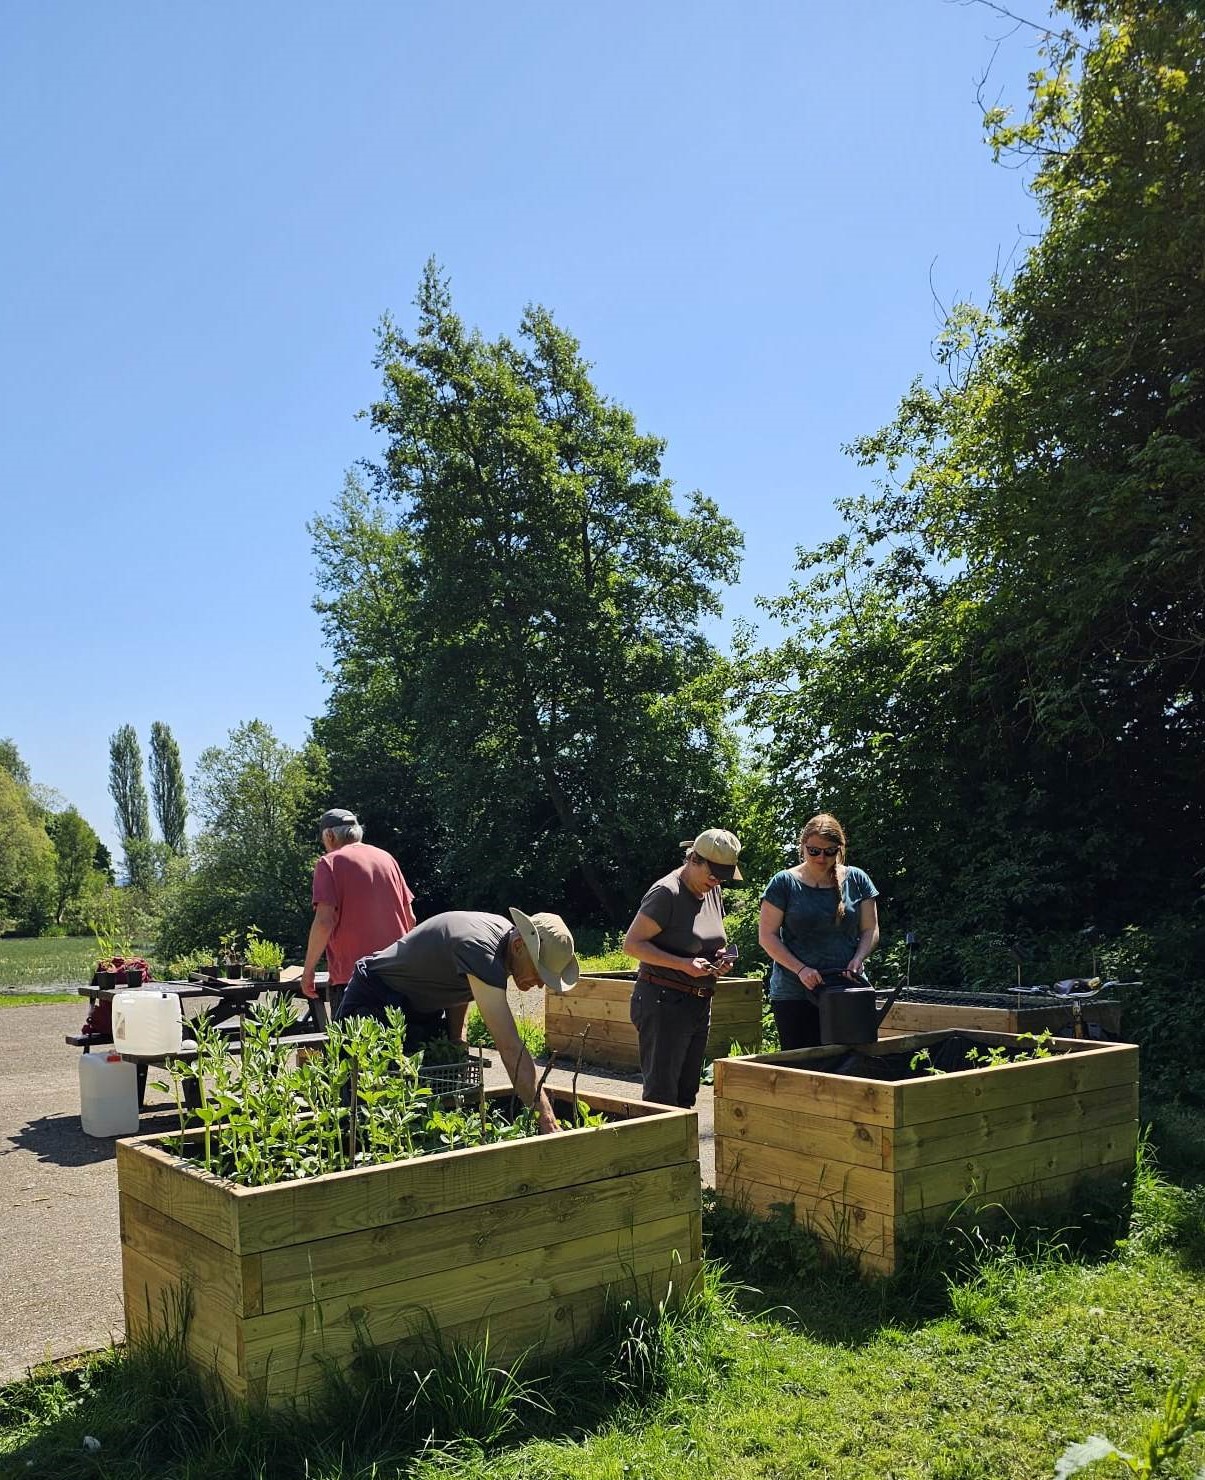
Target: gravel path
{"x":61,"y":1288}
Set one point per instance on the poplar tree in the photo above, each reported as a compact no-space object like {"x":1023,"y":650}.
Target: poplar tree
{"x":128,"y":791}
{"x":167,"y":787}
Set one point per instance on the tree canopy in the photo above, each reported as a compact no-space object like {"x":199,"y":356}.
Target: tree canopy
{"x":995,"y":672}
{"x":512,"y":600}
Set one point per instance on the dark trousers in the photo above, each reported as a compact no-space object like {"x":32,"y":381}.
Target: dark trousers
{"x":672,"y":1027}
{"x":798,"y":1023}
{"x":366,"y":995}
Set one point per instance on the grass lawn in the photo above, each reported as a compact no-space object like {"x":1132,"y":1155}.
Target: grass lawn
{"x":49,"y":961}
{"x":983,"y":1374}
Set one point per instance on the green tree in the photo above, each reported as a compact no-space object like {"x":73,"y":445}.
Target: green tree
{"x":26,"y":859}
{"x":520,"y":591}
{"x":10,"y":761}
{"x":168,"y":791}
{"x":994,"y":674}
{"x":77,"y":879}
{"x":256,"y":799}
{"x":128,"y":791}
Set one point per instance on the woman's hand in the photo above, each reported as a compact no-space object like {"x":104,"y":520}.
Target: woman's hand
{"x":855,"y":967}
{"x":810,"y":977}
{"x":700,"y":966}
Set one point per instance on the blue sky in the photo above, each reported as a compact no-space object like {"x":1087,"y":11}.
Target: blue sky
{"x":736,"y":207}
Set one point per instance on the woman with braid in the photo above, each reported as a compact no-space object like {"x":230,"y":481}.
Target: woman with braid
{"x":818,"y":918}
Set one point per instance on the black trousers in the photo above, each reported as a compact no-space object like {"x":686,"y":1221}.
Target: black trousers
{"x":366,"y":995}
{"x":798,"y":1022}
{"x":672,"y":1028}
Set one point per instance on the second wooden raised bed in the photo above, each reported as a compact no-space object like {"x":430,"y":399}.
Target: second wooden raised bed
{"x":602,"y":1004}
{"x":868,"y":1164}
{"x":523,"y":1240}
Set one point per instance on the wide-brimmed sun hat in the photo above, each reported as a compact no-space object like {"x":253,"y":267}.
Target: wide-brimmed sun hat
{"x":550,"y":945}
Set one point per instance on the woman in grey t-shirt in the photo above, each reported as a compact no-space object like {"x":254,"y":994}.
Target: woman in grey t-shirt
{"x":816,"y":918}
{"x":678,"y":937}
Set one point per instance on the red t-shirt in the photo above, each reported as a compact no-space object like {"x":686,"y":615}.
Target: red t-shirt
{"x":373,"y":904}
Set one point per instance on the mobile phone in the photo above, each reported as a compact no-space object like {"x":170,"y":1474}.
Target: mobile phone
{"x":729,"y":953}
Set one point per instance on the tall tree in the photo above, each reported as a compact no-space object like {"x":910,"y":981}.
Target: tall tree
{"x":534,"y":594}
{"x":75,"y":871}
{"x":128,"y":791}
{"x":10,"y":761}
{"x":168,"y":791}
{"x":996,"y":671}
{"x":257,"y":800}
{"x":26,"y":859}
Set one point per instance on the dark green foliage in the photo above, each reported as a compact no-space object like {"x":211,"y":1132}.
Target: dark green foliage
{"x":167,"y":787}
{"x":513,"y":607}
{"x":258,"y":802}
{"x":132,"y":811}
{"x":77,"y":878}
{"x":995,"y":674}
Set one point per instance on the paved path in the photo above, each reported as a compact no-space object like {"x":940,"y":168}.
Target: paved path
{"x":60,"y":1291}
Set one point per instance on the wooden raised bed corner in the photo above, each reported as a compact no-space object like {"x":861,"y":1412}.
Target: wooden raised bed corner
{"x":602,"y":1003}
{"x":521,"y":1238}
{"x":867,"y":1163}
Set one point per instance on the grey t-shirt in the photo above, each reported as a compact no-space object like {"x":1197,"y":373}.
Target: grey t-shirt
{"x":431,"y":965}
{"x":690,"y":926}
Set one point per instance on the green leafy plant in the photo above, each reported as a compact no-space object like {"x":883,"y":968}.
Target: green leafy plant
{"x":1181,"y":1418}
{"x":264,"y":955}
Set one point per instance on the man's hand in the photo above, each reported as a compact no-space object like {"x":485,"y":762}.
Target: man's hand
{"x":548,"y":1125}
{"x":307,"y":984}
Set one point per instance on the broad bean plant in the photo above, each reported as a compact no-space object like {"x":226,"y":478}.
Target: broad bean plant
{"x":356,"y":1102}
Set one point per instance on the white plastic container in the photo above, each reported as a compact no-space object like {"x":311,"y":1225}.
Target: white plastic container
{"x":146,"y":1021}
{"x":108,"y":1095}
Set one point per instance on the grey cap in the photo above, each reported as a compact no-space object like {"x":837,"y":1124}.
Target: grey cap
{"x":337,"y":817}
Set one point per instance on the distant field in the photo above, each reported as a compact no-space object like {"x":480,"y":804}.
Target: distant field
{"x":45,"y":963}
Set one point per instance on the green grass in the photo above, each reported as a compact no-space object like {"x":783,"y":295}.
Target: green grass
{"x":36,"y":999}
{"x":48,"y":961}
{"x":983,"y":1370}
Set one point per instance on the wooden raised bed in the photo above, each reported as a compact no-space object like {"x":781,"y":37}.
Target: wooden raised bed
{"x":867,"y":1164}
{"x":603,"y":1003}
{"x":520,"y":1239}
{"x":929,"y":1017}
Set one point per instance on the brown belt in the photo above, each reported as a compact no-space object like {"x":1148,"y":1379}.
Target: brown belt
{"x":655,"y":979}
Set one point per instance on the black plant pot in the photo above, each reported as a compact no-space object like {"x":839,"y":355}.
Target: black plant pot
{"x":106,"y":980}
{"x":232,"y":971}
{"x":133,"y":978}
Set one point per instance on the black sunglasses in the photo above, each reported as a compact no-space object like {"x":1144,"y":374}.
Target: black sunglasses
{"x":817,"y":852}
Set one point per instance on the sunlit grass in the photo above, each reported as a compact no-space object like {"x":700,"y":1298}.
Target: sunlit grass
{"x":50,"y":961}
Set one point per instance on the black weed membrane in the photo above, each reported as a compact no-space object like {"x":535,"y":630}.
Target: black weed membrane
{"x":953,"y":1053}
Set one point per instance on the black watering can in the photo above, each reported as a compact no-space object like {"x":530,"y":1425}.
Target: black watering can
{"x":848,"y":1009}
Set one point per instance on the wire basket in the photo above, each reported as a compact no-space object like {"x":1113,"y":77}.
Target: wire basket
{"x":451,"y":1079}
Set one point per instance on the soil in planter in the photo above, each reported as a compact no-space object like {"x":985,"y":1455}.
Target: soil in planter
{"x":950,"y":1056}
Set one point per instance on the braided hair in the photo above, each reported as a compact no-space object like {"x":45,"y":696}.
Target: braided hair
{"x":825,"y":825}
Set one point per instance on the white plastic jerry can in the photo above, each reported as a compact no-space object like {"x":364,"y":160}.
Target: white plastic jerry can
{"x":108,"y":1095}
{"x":146,"y":1021}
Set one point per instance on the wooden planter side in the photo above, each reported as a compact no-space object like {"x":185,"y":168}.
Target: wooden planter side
{"x":602,"y":1003}
{"x":867,"y":1164}
{"x":927,"y":1017}
{"x":523,"y":1239}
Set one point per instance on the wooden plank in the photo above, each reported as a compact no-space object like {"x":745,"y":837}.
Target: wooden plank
{"x":597,"y":1050}
{"x":809,"y":1135}
{"x":993,"y":1174}
{"x":154,"y":1177}
{"x":356,"y":1262}
{"x":372,"y":1197}
{"x":608,"y":1030}
{"x":154,"y":1297}
{"x":1063,"y":1194}
{"x":912,"y":1017}
{"x":866,"y":1101}
{"x":549,"y":1326}
{"x":216,"y":1272}
{"x":854,"y":1231}
{"x":600,"y":989}
{"x":1097,"y":1066}
{"x":815,"y":1177}
{"x":574,"y":1009}
{"x":476,"y":1292}
{"x":1010,"y":1125}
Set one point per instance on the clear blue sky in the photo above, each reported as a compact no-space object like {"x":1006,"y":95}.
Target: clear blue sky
{"x":208,"y":208}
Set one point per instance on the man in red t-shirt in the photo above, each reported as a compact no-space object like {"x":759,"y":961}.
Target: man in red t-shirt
{"x":361,"y":902}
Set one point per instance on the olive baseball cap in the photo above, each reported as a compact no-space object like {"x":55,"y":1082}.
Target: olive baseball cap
{"x":720,"y":848}
{"x":337,"y":817}
{"x":550,"y":946}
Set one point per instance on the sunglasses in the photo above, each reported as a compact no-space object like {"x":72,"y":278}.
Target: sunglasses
{"x":821,"y":852}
